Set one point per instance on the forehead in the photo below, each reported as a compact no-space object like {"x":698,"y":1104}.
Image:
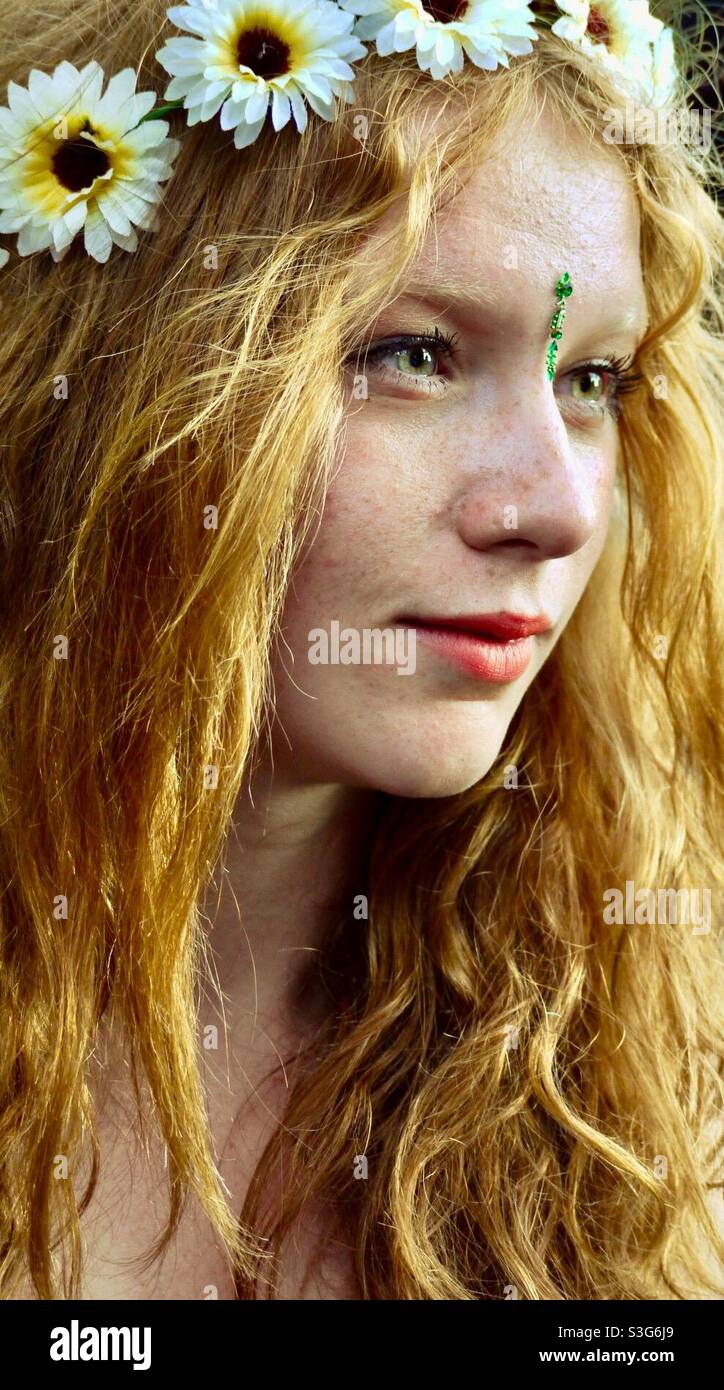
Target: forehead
{"x":543,"y":201}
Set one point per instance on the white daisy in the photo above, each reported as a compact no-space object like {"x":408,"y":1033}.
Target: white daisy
{"x":71,"y":159}
{"x":626,"y":38}
{"x":249,"y":53}
{"x":442,"y":31}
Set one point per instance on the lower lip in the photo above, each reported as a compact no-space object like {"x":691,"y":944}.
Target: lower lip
{"x":497,"y":662}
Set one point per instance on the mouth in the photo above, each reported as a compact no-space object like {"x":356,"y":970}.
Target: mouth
{"x":492,"y":647}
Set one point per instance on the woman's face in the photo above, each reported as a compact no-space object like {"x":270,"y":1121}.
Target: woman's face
{"x":468,"y":486}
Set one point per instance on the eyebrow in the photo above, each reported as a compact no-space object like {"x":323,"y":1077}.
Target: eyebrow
{"x":453,"y":293}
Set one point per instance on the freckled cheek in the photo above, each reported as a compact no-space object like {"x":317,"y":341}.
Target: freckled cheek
{"x":604,"y":481}
{"x":361,"y":525}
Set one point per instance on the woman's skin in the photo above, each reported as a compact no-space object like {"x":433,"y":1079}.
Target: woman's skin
{"x":413,"y":525}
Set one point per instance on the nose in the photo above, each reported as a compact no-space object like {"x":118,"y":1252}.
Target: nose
{"x":528,"y":486}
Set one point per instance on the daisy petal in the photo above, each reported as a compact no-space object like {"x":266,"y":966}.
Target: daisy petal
{"x":299,"y":110}
{"x":257,"y":106}
{"x":281,"y":110}
{"x":246,"y":134}
{"x":97,"y":239}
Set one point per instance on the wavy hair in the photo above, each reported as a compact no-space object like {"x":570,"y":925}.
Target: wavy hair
{"x":513,"y":1068}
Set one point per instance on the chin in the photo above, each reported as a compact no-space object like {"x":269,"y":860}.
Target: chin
{"x":434,"y":766}
{"x":430,"y":777}
{"x":431,"y":781}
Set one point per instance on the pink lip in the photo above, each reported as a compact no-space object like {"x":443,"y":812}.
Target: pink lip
{"x":494,"y":647}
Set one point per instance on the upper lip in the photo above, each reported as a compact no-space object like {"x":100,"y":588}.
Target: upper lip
{"x":508,"y":626}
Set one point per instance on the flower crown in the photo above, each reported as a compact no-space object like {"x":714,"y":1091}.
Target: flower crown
{"x":73,"y":159}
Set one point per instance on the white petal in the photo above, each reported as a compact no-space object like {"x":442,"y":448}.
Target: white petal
{"x":97,"y":239}
{"x":385,"y":40}
{"x":157,"y":169}
{"x":180,"y":65}
{"x":231,"y":113}
{"x":136,"y":208}
{"x":196,"y":91}
{"x":144,"y":188}
{"x":61,"y":236}
{"x":281,"y":110}
{"x":118,"y":93}
{"x":111,"y":206}
{"x":325,"y":109}
{"x":67,"y":80}
{"x":146,"y":136}
{"x":4,"y":257}
{"x":33,"y":238}
{"x":187,"y":48}
{"x":136,"y":108}
{"x":299,"y":110}
{"x":44,"y":94}
{"x":257,"y":107}
{"x":361,"y":7}
{"x":184,"y":17}
{"x":128,"y":243}
{"x":22,"y":105}
{"x":568,"y":29}
{"x":178,"y":87}
{"x":407,"y":22}
{"x":426,"y":40}
{"x":75,"y":216}
{"x":482,"y":58}
{"x":11,"y":220}
{"x":11,"y":129}
{"x":211,"y":104}
{"x":444,"y":49}
{"x":312,"y":82}
{"x":246,"y":134}
{"x":90,"y":83}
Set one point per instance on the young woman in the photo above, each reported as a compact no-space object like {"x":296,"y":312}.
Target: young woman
{"x":361,"y":665}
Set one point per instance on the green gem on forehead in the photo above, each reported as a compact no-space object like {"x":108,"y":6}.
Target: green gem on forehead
{"x":564,"y":287}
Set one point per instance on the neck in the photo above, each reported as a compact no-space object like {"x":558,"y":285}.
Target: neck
{"x":293,"y":863}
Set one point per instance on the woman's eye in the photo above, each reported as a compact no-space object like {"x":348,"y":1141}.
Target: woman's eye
{"x":419,"y":360}
{"x":597,"y":388}
{"x":591,"y":388}
{"x":411,"y":358}
{"x":588,"y":386}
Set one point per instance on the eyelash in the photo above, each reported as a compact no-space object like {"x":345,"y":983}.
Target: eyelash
{"x":435,"y":339}
{"x":619,"y":368}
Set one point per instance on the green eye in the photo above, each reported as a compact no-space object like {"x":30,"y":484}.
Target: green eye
{"x":588,"y":386}
{"x":418,"y":356}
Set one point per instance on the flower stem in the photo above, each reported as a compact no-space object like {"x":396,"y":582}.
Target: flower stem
{"x":158,"y":111}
